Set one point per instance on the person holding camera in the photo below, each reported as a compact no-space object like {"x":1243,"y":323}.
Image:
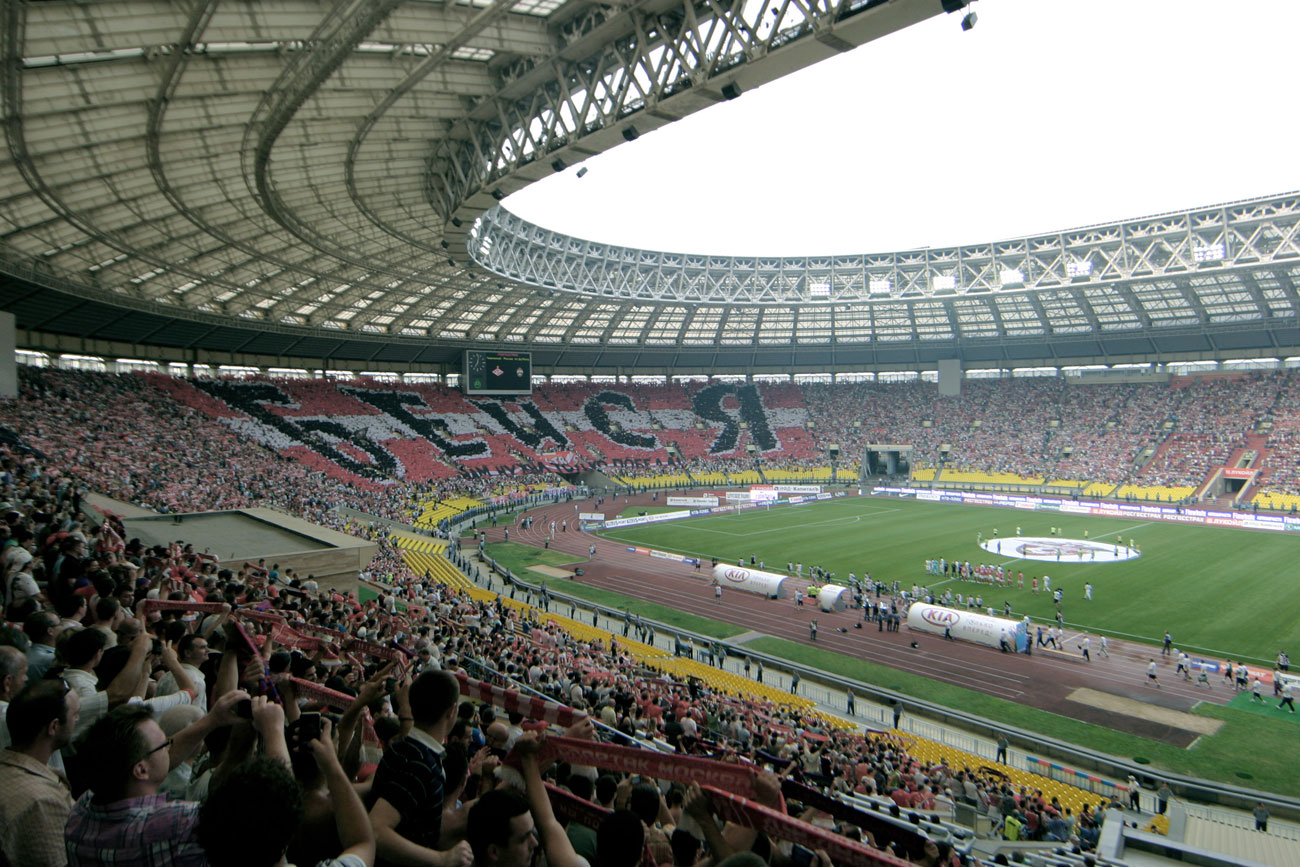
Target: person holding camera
{"x":125,"y":756}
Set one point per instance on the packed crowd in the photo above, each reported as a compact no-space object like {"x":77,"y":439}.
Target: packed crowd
{"x":160,"y":709}
{"x":130,"y":440}
{"x":380,"y":446}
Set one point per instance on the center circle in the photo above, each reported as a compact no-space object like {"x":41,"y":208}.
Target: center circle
{"x":1057,"y":549}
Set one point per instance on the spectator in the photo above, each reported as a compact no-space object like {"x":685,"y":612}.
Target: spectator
{"x":108,"y":614}
{"x":501,"y":832}
{"x":42,"y":628}
{"x":409,"y":784}
{"x":125,"y":756}
{"x":250,"y":817}
{"x":34,"y":799}
{"x":13,"y":677}
{"x":83,"y":652}
{"x":620,"y":839}
{"x":1261,"y":816}
{"x":20,"y":584}
{"x":1162,"y":798}
{"x":72,"y":611}
{"x":192,"y":651}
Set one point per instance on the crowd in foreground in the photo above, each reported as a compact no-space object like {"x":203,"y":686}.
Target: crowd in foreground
{"x":161,"y":709}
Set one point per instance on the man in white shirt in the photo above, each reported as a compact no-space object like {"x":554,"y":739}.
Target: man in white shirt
{"x":18,"y":556}
{"x":108,"y":614}
{"x":84,"y":651}
{"x":21,"y":585}
{"x":72,"y":611}
{"x":192,"y":651}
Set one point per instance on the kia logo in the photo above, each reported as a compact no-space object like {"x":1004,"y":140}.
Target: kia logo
{"x":939,"y":617}
{"x":736,"y":575}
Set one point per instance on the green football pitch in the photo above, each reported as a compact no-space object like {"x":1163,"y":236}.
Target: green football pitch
{"x":1221,"y":592}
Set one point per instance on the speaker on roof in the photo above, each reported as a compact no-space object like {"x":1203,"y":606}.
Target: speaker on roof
{"x":630,"y":133}
{"x":730,"y":90}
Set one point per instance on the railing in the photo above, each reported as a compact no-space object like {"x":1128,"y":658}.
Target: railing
{"x":1077,"y":757}
{"x":1245,"y":822}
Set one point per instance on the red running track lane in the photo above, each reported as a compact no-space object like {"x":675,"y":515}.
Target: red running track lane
{"x":1043,"y":680}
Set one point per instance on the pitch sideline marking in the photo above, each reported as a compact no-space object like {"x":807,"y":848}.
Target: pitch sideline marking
{"x":844,"y":519}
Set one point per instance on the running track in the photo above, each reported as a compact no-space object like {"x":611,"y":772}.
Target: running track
{"x":1043,"y":680}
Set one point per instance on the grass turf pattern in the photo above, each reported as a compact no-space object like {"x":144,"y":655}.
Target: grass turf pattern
{"x":1266,"y":764}
{"x":1221,"y":592}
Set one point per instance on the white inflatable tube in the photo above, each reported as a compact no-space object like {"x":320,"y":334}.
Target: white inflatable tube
{"x":833,"y":597}
{"x":966,"y":625}
{"x":767,"y":584}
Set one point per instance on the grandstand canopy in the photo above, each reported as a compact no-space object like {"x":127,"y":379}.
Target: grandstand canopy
{"x":320,"y":181}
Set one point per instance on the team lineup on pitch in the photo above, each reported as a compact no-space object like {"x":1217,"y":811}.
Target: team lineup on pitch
{"x":1054,"y":549}
{"x":888,"y":533}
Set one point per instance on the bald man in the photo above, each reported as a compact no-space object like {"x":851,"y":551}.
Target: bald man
{"x":498,"y":738}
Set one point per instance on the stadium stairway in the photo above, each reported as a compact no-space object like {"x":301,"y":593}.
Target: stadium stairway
{"x":1228,"y":833}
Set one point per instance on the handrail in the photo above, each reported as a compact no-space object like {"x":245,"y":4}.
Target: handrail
{"x":1245,"y":822}
{"x":1204,"y":791}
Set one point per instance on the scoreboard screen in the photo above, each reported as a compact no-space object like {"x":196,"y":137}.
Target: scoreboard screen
{"x":487,"y":372}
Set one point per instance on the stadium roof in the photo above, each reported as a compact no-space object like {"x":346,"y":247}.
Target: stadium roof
{"x":320,"y":180}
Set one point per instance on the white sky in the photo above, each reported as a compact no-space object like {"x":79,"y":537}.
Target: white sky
{"x":1048,"y":115}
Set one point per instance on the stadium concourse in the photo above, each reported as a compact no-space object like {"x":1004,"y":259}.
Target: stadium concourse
{"x":1058,"y":681}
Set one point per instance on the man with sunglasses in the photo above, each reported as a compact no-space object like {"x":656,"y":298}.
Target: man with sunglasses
{"x":34,"y":800}
{"x":125,"y":756}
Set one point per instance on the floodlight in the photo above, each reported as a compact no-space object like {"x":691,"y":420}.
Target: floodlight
{"x":945,"y":281}
{"x":820,"y":289}
{"x":1013,"y":277}
{"x":1081,"y":268}
{"x":1208,"y":252}
{"x":879,"y":285}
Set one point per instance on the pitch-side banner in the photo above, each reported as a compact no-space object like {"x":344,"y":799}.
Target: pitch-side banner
{"x":646,"y":519}
{"x":594,"y":516}
{"x":797,"y":489}
{"x":1144,"y":511}
{"x":692,"y":501}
